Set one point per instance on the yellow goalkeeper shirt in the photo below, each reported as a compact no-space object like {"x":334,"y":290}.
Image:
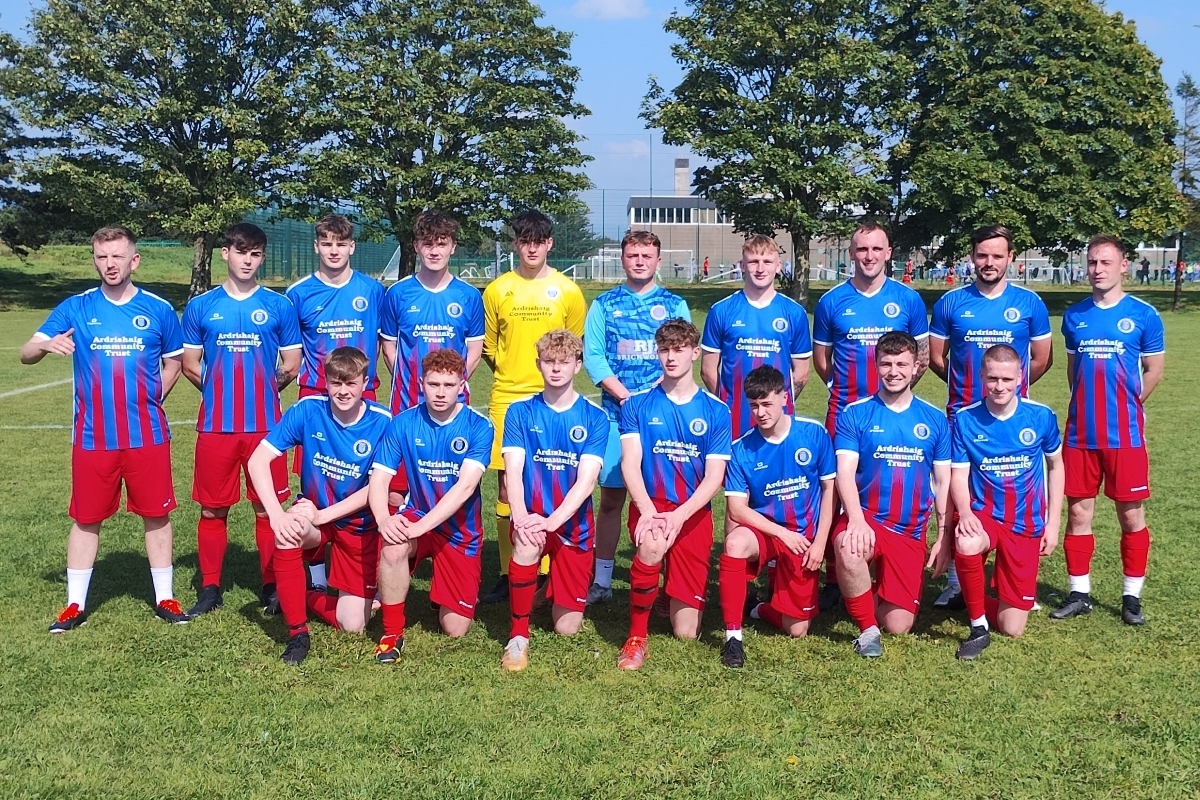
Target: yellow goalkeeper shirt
{"x":517,"y":311}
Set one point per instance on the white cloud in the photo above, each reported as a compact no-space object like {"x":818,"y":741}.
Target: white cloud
{"x":610,"y":9}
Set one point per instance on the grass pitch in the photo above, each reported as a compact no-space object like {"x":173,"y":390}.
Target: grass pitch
{"x":130,"y":707}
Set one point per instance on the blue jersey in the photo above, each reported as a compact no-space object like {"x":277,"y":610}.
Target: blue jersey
{"x":1006,"y":459}
{"x":420,"y":321}
{"x":333,"y":317}
{"x":117,"y":366}
{"x":618,"y":339}
{"x":897,"y":451}
{"x":973,"y":322}
{"x":336,"y":458}
{"x":554,"y":443}
{"x":677,"y":440}
{"x":433,"y":455}
{"x":1108,"y":344}
{"x":240,"y":341}
{"x":782,"y":479}
{"x":850,"y":323}
{"x":747,"y":336}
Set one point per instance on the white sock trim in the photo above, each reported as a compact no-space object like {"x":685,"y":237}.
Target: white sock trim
{"x":982,"y":622}
{"x":1133,"y":586}
{"x":164,"y":583}
{"x":78,"y":581}
{"x":1080,"y":583}
{"x":733,"y":634}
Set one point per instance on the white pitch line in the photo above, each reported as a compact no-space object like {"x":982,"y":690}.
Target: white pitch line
{"x":15,"y":392}
{"x":68,"y":427}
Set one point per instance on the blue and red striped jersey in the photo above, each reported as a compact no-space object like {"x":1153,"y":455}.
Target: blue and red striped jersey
{"x":554,"y":443}
{"x":336,"y":316}
{"x":420,"y":321}
{"x":851,"y":322}
{"x":1106,"y":383}
{"x":117,"y":366}
{"x":336,"y":458}
{"x":973,"y":322}
{"x":433,"y":454}
{"x":781,"y":479}
{"x":1007,"y":462}
{"x":896,"y":454}
{"x":677,"y":439}
{"x":240,"y":340}
{"x":747,"y":336}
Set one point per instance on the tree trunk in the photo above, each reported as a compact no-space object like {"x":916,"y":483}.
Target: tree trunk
{"x":799,"y":283}
{"x":1178,"y":287}
{"x":202,"y":248}
{"x":408,"y":257}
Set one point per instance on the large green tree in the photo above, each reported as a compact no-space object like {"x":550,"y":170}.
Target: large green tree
{"x":783,"y":98}
{"x":448,"y":105}
{"x":1049,"y":116}
{"x":1188,"y":171}
{"x":187,"y":111}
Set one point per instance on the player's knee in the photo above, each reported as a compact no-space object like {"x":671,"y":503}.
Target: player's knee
{"x":651,"y":551}
{"x":351,"y":620}
{"x":392,"y":554}
{"x":1132,"y":516}
{"x":214,"y":513}
{"x":798,"y":628}
{"x":395,"y":499}
{"x":740,"y":543}
{"x":686,"y":629}
{"x":568,"y":625}
{"x":455,"y":626}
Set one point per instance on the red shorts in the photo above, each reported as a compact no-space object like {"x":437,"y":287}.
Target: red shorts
{"x":353,"y":560}
{"x":1017,"y":560}
{"x":221,"y":458}
{"x":1125,"y":473}
{"x":570,"y":573}
{"x":688,"y":559}
{"x":794,"y":590}
{"x":310,"y":391}
{"x":456,"y":576}
{"x":399,"y":482}
{"x":899,"y":564}
{"x":96,"y":477}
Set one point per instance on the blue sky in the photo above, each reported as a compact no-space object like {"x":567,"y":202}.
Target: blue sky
{"x":619,"y":43}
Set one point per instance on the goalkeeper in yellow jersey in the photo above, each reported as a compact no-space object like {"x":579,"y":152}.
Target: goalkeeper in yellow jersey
{"x":518,"y":308}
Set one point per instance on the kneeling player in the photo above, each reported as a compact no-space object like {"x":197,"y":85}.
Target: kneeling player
{"x":999,"y":484}
{"x":779,"y":495}
{"x":339,"y":434}
{"x":553,"y":450}
{"x":675,"y":440}
{"x":443,"y":446}
{"x":893,"y":464}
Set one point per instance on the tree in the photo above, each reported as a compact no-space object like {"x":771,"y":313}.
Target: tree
{"x":187,"y":112}
{"x":573,"y":236}
{"x":447,"y":105}
{"x":1188,"y":169}
{"x":785,"y":99}
{"x":1048,"y":116}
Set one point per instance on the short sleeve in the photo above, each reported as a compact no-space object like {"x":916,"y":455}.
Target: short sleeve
{"x":61,"y":319}
{"x":289,"y":327}
{"x":627,"y":419}
{"x":289,"y":432}
{"x":515,"y":425}
{"x":192,"y":337}
{"x":710,"y":340}
{"x":389,"y":453}
{"x":941,"y":445}
{"x":720,"y":432}
{"x":735,"y":478}
{"x":958,"y":448}
{"x":480,"y":448}
{"x":474,"y":313}
{"x":1068,"y":337}
{"x":389,"y":317}
{"x":801,"y":341}
{"x":939,"y":326}
{"x":172,"y":332}
{"x":846,"y":432}
{"x":1153,"y":339}
{"x":491,"y":320}
{"x":1051,"y":436}
{"x":826,"y":460}
{"x":918,"y":319}
{"x":682,"y":311}
{"x":575,"y":309}
{"x":822,"y":332}
{"x":597,"y":440}
{"x":1039,"y":319}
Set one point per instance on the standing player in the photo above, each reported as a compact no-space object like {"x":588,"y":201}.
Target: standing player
{"x":431,"y":310}
{"x":893,"y":464}
{"x":337,"y":307}
{"x":241,"y":347}
{"x":518,"y":308}
{"x":125,"y":345}
{"x":847,"y":323}
{"x":619,"y":355}
{"x":675,"y":441}
{"x":553,"y":449}
{"x":755,"y":326}
{"x":968,"y":320}
{"x":779,"y":494}
{"x":1115,"y":356}
{"x":340,"y":433}
{"x":442,"y":444}
{"x":1002,"y":447}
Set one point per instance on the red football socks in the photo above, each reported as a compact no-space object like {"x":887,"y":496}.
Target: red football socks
{"x":212,"y":538}
{"x":264,"y":539}
{"x":732,"y":580}
{"x":862,"y":610}
{"x":770,"y":615}
{"x":393,"y":619}
{"x":972,"y":579}
{"x":522,"y":585}
{"x":324,"y":608}
{"x":643,"y":590}
{"x":1135,"y":552}
{"x":1078,"y":549}
{"x":290,"y":583}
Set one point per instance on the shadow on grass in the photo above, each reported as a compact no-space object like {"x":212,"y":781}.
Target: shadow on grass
{"x":21,"y":289}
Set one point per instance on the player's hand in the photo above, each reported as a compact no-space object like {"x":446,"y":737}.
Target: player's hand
{"x":303,"y":507}
{"x":969,"y":526}
{"x":794,"y":542}
{"x":1049,"y":541}
{"x":859,"y":539}
{"x":61,"y":345}
{"x":530,"y":530}
{"x":940,"y":555}
{"x":394,"y":529}
{"x":814,"y":554}
{"x":648,"y":525}
{"x":289,"y":530}
{"x":670,"y":523}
